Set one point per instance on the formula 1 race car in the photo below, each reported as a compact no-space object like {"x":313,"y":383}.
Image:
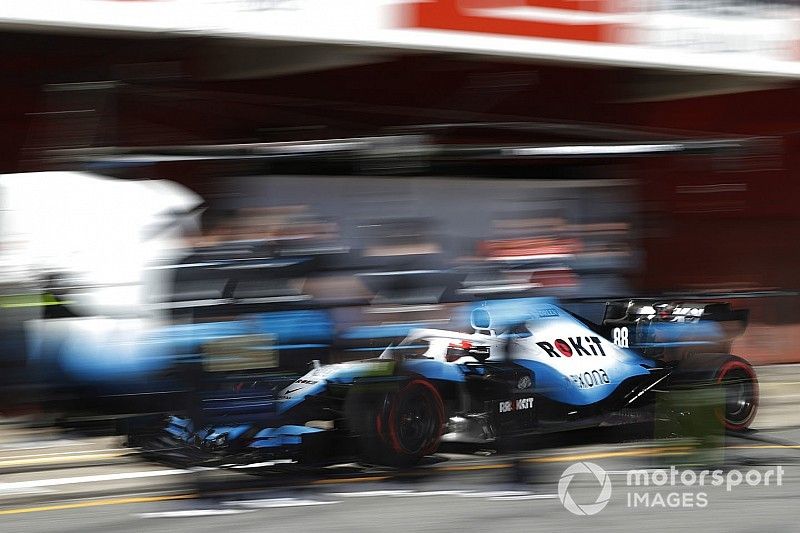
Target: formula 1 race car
{"x":529,"y":367}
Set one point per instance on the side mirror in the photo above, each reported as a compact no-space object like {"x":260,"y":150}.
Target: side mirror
{"x":481,"y":353}
{"x":457,"y":351}
{"x":454,"y":353}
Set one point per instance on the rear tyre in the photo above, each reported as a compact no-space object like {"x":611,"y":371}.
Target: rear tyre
{"x":397,"y":428}
{"x":738,"y":381}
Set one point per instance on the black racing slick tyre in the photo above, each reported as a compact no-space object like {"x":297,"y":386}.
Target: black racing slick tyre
{"x":739,"y":380}
{"x":736,"y":377}
{"x":396,"y":428}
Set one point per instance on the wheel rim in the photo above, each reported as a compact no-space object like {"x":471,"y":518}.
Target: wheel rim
{"x":416,"y":420}
{"x":741,"y":396}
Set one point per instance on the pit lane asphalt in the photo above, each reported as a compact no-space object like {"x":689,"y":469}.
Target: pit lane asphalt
{"x":477,"y":500}
{"x":470,"y":493}
{"x":51,"y":481}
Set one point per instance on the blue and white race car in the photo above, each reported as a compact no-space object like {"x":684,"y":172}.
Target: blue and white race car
{"x":528,"y":367}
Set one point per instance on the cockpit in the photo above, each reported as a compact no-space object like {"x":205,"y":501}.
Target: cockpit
{"x":443,"y":346}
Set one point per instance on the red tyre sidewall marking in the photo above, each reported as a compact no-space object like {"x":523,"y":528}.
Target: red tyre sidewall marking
{"x":723,"y":371}
{"x":392,"y":421}
{"x":379,"y":425}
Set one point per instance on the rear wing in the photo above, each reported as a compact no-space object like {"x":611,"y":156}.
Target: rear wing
{"x":674,"y":311}
{"x":655,"y":325}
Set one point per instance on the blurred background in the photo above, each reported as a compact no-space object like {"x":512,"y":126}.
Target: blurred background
{"x":348,"y":172}
{"x":176,"y":171}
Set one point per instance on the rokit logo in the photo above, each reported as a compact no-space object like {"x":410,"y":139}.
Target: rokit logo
{"x":581,"y":346}
{"x":520,"y":404}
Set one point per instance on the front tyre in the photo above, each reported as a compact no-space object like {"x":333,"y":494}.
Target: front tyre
{"x":397,"y":428}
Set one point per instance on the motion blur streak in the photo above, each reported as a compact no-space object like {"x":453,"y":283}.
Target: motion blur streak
{"x":433,"y":251}
{"x":95,"y":503}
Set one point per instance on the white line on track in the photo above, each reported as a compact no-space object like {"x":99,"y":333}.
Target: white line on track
{"x":188,"y":513}
{"x":39,"y":483}
{"x":21,"y":492}
{"x":495,"y":494}
{"x":263,"y":465}
{"x":278,"y":502}
{"x":431,"y":493}
{"x":524,"y":497}
{"x":38,"y":445}
{"x":370,"y":493}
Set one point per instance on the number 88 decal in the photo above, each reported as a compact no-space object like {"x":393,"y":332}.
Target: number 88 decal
{"x":619,"y":336}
